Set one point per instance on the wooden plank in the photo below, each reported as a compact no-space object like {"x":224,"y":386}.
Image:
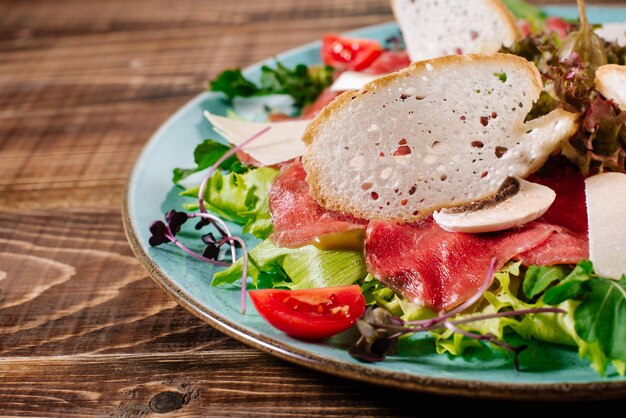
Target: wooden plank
{"x":235,"y":381}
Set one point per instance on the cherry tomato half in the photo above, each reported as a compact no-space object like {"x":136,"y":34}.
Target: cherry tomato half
{"x":310,"y":314}
{"x":349,"y":54}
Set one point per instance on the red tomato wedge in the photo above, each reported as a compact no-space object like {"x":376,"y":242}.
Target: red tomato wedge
{"x":349,"y":54}
{"x":310,"y":314}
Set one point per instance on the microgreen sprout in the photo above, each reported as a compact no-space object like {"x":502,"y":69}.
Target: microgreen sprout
{"x":380,"y":329}
{"x":164,"y":232}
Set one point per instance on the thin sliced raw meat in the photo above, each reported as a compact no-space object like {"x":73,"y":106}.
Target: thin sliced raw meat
{"x":569,"y":208}
{"x":325,"y":97}
{"x":389,"y":62}
{"x":296,"y":217}
{"x":440,"y":269}
{"x":563,"y":247}
{"x":569,"y":211}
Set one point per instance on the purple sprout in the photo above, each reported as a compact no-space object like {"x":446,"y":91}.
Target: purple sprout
{"x":164,"y":232}
{"x":379,"y":328}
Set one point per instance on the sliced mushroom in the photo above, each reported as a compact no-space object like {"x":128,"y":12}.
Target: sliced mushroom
{"x":516,"y":203}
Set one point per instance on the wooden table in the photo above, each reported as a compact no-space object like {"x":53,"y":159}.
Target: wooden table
{"x":83,"y":329}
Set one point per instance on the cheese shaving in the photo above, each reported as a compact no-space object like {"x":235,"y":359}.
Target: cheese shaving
{"x":282,"y":143}
{"x":352,"y":80}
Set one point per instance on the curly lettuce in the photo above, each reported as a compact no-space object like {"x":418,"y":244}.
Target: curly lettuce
{"x":305,"y":267}
{"x":240,"y":198}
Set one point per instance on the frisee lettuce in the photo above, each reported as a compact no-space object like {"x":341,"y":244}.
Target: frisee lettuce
{"x":594,"y":309}
{"x":297,"y":268}
{"x":239,"y":198}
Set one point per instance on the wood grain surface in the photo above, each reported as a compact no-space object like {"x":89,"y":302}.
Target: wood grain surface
{"x":83,"y":330}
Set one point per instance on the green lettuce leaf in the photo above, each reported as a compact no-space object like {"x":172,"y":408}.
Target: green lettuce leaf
{"x":601,"y":316}
{"x":538,"y":278}
{"x":233,"y":84}
{"x":377,"y":293}
{"x":549,"y":327}
{"x":205,"y":155}
{"x":523,"y":10}
{"x":240,"y":198}
{"x":570,"y":286}
{"x":304,"y":84}
{"x":297,"y":268}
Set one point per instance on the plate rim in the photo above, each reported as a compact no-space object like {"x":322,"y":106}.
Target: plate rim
{"x":354,"y":371}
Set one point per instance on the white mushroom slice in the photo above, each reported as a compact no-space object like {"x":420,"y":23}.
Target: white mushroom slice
{"x":352,"y":80}
{"x":281,"y":143}
{"x":527,"y":204}
{"x":606,"y":200}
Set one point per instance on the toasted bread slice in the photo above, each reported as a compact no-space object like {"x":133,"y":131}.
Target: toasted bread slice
{"x":433,"y":28}
{"x":440,"y":133}
{"x":611,"y":82}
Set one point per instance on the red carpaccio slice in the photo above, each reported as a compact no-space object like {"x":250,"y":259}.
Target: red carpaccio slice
{"x":296,"y":217}
{"x":441,"y":269}
{"x":568,"y":211}
{"x":389,"y":62}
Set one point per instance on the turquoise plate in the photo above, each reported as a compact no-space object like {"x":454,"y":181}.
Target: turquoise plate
{"x":547,"y":371}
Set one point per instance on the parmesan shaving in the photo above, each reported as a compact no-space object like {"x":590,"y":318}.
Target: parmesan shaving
{"x":606,"y":199}
{"x":352,"y":80}
{"x":281,"y":143}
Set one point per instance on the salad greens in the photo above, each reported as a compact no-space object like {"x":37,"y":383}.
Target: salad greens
{"x":306,"y":267}
{"x":241,"y":198}
{"x":568,"y":68}
{"x":205,"y":155}
{"x":589,"y":319}
{"x":302,"y":83}
{"x":531,"y":14}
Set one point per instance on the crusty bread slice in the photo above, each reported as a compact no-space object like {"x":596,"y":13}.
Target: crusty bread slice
{"x":440,"y":133}
{"x":611,"y":82}
{"x":433,"y":28}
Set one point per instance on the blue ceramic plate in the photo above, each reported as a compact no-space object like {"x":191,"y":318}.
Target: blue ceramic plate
{"x":547,"y":371}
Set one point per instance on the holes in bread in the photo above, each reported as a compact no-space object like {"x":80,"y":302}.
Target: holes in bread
{"x":408,"y":92}
{"x":366,"y":186}
{"x":500,"y":151}
{"x":401,"y":151}
{"x":439,"y":147}
{"x":477,"y":144}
